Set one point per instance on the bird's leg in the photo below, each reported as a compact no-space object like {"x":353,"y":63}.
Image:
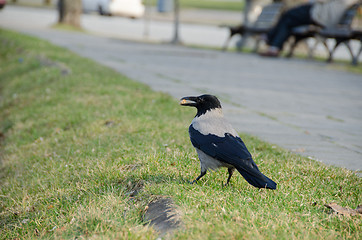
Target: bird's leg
{"x":198,"y":178}
{"x":230,"y":171}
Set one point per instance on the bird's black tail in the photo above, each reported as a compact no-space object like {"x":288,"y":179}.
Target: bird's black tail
{"x":259,"y":181}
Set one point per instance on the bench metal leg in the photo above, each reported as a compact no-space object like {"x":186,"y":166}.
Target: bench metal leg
{"x":226,"y":44}
{"x":257,"y":45}
{"x":241,"y":43}
{"x":295,"y":43}
{"x":238,"y":30}
{"x":355,"y":58}
{"x":330,"y":58}
{"x":292,"y":47}
{"x":324,"y":42}
{"x":312,"y":49}
{"x":348,"y":45}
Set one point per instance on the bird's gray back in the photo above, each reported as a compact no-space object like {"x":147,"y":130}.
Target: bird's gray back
{"x":213,"y":122}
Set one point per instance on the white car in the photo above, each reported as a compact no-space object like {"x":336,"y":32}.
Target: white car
{"x":126,"y":8}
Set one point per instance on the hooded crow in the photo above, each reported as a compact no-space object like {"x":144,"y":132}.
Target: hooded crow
{"x":218,"y":144}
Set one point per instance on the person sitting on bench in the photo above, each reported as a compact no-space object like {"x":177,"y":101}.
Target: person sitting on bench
{"x":324,"y":14}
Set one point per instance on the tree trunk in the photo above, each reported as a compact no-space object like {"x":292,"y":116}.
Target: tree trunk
{"x":69,"y":12}
{"x":61,"y":10}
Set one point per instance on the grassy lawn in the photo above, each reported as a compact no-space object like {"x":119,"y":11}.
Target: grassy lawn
{"x":232,"y":5}
{"x":77,"y":138}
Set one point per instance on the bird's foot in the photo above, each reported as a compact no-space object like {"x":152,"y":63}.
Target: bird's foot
{"x":194,"y":181}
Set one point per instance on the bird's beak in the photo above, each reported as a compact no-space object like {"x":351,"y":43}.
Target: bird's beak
{"x":188,"y":101}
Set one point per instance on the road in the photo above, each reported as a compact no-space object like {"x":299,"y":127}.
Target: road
{"x":304,"y":106}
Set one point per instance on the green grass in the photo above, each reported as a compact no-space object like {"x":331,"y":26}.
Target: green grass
{"x":232,"y":5}
{"x":229,"y":5}
{"x":77,"y":138}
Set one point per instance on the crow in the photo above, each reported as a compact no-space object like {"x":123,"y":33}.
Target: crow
{"x":218,"y":144}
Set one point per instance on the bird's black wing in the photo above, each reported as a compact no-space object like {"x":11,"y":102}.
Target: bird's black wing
{"x":231,"y":150}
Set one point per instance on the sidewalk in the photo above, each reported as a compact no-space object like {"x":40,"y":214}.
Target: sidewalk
{"x":304,"y":106}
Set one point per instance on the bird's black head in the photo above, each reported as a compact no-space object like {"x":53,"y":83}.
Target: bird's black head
{"x":203,"y":103}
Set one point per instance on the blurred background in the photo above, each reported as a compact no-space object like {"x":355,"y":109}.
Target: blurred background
{"x":195,"y":23}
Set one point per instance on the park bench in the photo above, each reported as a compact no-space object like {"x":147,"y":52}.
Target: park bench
{"x":341,"y":33}
{"x":264,"y":22}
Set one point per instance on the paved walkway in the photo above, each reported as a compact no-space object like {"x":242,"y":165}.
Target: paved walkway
{"x":304,"y":106}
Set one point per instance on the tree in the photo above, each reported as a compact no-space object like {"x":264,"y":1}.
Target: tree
{"x":69,"y":12}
